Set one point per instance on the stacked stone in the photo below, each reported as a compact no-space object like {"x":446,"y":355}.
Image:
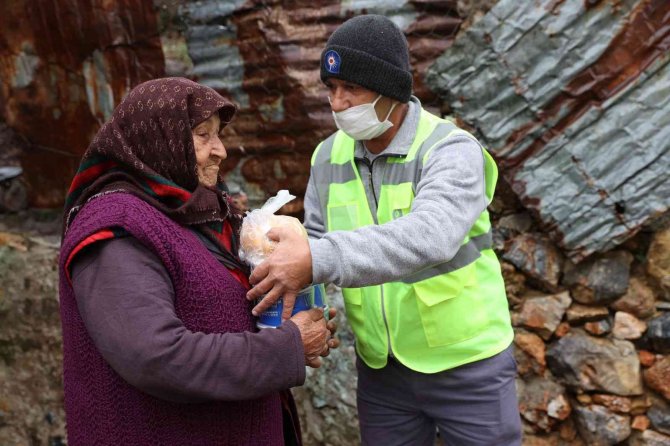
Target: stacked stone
{"x":31,"y":389}
{"x":592,"y":339}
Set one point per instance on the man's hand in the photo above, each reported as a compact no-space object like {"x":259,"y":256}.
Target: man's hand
{"x":314,"y":334}
{"x":284,"y":273}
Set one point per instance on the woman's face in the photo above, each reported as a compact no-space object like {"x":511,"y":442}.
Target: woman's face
{"x":209,"y":150}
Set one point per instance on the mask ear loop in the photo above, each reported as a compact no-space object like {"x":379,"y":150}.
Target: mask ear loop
{"x":390,"y":111}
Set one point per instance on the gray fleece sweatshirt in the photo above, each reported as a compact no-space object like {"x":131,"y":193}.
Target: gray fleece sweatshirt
{"x":449,"y":198}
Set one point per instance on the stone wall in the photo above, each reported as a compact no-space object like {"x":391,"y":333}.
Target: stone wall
{"x":592,"y":340}
{"x":31,"y":393}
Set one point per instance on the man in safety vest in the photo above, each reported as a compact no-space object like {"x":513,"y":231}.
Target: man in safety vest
{"x":396,"y":212}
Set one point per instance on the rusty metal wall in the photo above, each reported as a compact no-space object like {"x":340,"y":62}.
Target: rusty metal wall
{"x":567,"y":93}
{"x":64,"y":65}
{"x":573,"y":99}
{"x":265,"y":56}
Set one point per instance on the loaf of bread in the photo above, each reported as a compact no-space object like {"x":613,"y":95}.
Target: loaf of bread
{"x":253,"y":237}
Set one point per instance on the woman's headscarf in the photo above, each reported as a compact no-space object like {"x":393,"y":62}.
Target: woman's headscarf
{"x":146,"y":149}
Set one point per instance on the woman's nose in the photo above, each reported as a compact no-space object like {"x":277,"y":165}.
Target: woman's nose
{"x":219,"y":149}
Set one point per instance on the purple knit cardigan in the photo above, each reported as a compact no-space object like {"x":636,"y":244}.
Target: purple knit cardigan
{"x":101,"y":407}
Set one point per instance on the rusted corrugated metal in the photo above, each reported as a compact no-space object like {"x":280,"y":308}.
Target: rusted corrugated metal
{"x":67,"y":64}
{"x":572,"y":97}
{"x":266,"y":58}
{"x":64,"y":66}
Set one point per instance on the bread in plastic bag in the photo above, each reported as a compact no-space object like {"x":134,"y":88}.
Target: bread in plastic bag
{"x":255,"y":245}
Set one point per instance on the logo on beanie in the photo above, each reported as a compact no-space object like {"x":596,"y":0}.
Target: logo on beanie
{"x":331,"y":61}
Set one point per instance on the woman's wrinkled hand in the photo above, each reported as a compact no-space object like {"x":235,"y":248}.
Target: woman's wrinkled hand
{"x":314,"y":333}
{"x":333,"y":342}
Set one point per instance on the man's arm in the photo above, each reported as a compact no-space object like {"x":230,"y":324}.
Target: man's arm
{"x":449,"y":198}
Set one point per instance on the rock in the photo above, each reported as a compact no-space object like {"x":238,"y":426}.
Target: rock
{"x":562,"y":329}
{"x":505,"y":199}
{"x":638,"y":300}
{"x":596,"y":364}
{"x":542,"y":314}
{"x":559,"y":408}
{"x":515,"y":284}
{"x":552,"y":439}
{"x":640,"y":404}
{"x":659,"y":416}
{"x":578,"y":314}
{"x":56,"y":440}
{"x":598,"y":426}
{"x":647,"y":358}
{"x":13,"y":194}
{"x":584,"y":398}
{"x":657,"y":377}
{"x":600,"y":279}
{"x":542,"y":402}
{"x":658,"y":333}
{"x":14,"y":241}
{"x":541,"y":440}
{"x":30,"y":343}
{"x":537,"y":257}
{"x":627,"y":326}
{"x":568,"y":431}
{"x":658,"y":261}
{"x":640,"y":423}
{"x":499,"y":236}
{"x":519,"y":222}
{"x":529,"y":353}
{"x":615,"y":403}
{"x":599,"y":328}
{"x":648,"y":438}
{"x":327,"y":401}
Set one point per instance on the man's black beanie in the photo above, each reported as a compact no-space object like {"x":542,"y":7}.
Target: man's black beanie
{"x":371,"y":51}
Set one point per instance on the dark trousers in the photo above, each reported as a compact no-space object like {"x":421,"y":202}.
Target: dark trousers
{"x":474,"y":404}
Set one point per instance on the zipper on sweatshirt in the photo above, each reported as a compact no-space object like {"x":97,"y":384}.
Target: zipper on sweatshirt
{"x":374,"y":195}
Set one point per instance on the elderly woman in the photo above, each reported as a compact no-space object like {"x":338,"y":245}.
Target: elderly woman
{"x":159,"y":343}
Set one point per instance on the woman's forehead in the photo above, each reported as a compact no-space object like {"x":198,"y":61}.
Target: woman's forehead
{"x":212,"y":121}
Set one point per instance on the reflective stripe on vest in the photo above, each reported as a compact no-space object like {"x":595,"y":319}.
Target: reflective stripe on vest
{"x":438,"y":318}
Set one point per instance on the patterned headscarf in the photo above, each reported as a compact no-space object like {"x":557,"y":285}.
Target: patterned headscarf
{"x":146,"y":149}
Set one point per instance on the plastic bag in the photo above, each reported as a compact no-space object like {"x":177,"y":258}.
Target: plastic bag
{"x":255,"y":246}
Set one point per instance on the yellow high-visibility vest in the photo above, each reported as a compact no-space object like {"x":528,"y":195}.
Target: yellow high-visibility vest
{"x":444,"y":316}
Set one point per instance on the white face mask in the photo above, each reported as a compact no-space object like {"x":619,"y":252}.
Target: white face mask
{"x":361,"y":122}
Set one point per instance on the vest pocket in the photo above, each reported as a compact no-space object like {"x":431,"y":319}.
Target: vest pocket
{"x":354,"y":306}
{"x":449,"y":306}
{"x":395,"y":201}
{"x":343,"y":217}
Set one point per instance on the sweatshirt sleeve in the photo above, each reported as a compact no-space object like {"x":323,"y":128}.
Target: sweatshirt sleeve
{"x":450,"y":196}
{"x":313,"y":223}
{"x":126,"y":300}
